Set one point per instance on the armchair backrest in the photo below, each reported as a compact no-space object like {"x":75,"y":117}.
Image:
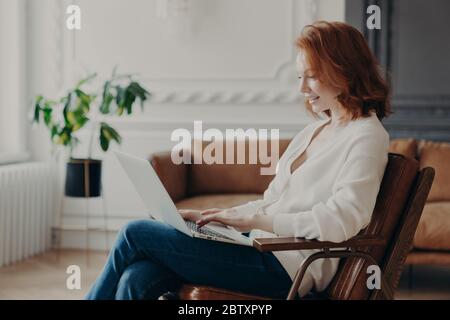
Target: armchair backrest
{"x":400,"y":201}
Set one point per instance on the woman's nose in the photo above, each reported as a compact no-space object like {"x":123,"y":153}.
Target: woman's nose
{"x":304,"y":88}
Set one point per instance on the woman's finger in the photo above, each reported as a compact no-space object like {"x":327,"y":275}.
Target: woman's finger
{"x":188,"y":214}
{"x":210,"y":211}
{"x":183,"y":211}
{"x":208,"y":219}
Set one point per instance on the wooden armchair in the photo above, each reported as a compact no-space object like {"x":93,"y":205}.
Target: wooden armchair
{"x":385,"y":242}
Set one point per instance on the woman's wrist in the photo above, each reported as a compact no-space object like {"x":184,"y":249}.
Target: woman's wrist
{"x":263,"y":222}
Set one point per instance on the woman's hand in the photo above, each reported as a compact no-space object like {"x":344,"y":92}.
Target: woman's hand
{"x":228,"y":217}
{"x":196,"y":215}
{"x":190,"y":214}
{"x":241,"y":222}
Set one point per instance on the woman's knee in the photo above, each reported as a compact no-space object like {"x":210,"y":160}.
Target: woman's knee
{"x":130,"y":227}
{"x":137,"y":226}
{"x":144,"y":230}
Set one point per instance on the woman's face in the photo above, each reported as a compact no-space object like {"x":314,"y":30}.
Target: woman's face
{"x":320,"y":96}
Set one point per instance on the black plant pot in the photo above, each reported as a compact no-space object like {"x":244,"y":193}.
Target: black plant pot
{"x":83,"y":178}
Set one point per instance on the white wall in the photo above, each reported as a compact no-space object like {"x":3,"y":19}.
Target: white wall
{"x":235,"y":69}
{"x":12,"y":81}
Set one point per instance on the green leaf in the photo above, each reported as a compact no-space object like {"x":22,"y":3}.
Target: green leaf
{"x":120,"y":95}
{"x":111,"y":133}
{"x":84,"y":100}
{"x":67,"y":101}
{"x":80,"y":123}
{"x":37,"y":108}
{"x":104,"y":142}
{"x":139,"y":92}
{"x":107,"y":133}
{"x":129,"y":100}
{"x":120,"y":100}
{"x":107,"y":98}
{"x":71,"y":118}
{"x":105,"y":107}
{"x":47,"y":115}
{"x":65,"y":137}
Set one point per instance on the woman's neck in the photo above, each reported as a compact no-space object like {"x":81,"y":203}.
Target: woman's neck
{"x":339,"y":117}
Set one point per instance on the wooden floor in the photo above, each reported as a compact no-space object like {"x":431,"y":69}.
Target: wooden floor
{"x":44,"y":277}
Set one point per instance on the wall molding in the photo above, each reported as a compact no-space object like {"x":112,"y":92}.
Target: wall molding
{"x":420,"y":116}
{"x":226,"y":97}
{"x":422,"y":101}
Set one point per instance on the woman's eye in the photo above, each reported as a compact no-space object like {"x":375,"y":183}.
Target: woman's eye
{"x":307,"y":77}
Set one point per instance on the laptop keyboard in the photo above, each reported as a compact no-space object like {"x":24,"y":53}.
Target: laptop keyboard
{"x":204,"y":230}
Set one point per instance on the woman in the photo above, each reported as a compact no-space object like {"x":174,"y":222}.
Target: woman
{"x":325,"y":188}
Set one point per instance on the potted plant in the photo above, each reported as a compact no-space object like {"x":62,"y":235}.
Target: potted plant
{"x":67,"y":115}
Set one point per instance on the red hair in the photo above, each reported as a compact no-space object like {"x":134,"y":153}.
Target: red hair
{"x":339,"y":56}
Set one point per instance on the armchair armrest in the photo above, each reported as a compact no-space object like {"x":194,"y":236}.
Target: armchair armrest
{"x":292,"y":243}
{"x":174,"y":177}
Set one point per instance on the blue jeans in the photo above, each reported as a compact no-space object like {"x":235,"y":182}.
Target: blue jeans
{"x":151,"y":258}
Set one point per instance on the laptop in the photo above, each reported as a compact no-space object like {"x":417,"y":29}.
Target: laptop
{"x":161,"y":207}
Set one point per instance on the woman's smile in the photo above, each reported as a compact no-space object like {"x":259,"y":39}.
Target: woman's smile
{"x":313,"y":99}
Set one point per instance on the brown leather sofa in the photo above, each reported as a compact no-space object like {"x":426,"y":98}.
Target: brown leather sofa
{"x":432,"y":239}
{"x":202,"y":186}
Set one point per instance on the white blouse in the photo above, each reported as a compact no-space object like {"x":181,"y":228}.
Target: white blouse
{"x":329,"y":197}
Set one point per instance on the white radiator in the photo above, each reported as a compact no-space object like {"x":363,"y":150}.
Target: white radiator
{"x":27,"y":205}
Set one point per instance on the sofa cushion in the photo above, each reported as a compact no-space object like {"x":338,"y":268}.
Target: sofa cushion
{"x":216,"y":201}
{"x":433,"y":231}
{"x":406,"y":147}
{"x":229,"y":178}
{"x":437,"y":155}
